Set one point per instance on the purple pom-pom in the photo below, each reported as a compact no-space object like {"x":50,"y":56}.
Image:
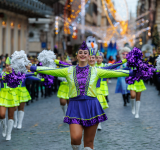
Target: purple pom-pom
{"x":134,"y":57}
{"x":12,"y":79}
{"x":48,"y":79}
{"x":143,"y":71}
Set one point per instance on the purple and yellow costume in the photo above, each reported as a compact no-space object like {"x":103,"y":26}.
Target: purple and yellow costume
{"x":83,"y":108}
{"x":22,"y":91}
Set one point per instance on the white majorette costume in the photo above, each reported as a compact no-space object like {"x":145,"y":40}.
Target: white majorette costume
{"x":84,"y":109}
{"x":122,"y":86}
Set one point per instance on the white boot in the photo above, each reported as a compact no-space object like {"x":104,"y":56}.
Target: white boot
{"x":4,"y":126}
{"x":15,"y":119}
{"x":76,"y":147}
{"x":99,"y":126}
{"x":9,"y":129}
{"x":20,"y":119}
{"x":137,"y":109}
{"x":87,"y":148}
{"x":133,"y":106}
{"x":64,"y":108}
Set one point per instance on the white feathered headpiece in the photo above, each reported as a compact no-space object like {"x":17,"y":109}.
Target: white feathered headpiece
{"x":19,"y":61}
{"x":124,"y":49}
{"x":47,"y":58}
{"x":158,"y":63}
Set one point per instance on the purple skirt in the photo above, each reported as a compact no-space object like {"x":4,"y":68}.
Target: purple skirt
{"x":85,"y":111}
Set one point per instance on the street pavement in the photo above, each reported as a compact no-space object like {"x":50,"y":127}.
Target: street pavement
{"x":43,"y":127}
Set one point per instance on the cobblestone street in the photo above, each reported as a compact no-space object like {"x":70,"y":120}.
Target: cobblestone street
{"x":43,"y":127}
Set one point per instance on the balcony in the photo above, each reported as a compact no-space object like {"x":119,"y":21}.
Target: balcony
{"x":30,"y":8}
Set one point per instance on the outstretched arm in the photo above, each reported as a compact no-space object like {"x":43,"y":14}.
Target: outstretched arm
{"x":61,"y":63}
{"x":115,"y":65}
{"x":101,"y":73}
{"x":32,"y":78}
{"x":50,"y":71}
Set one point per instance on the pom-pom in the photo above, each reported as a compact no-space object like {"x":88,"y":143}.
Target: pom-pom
{"x":134,"y":57}
{"x":48,"y":79}
{"x":47,"y":58}
{"x":19,"y":61}
{"x":12,"y":79}
{"x":144,"y":71}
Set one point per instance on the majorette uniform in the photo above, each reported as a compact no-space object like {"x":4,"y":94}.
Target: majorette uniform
{"x":24,"y":96}
{"x":103,"y":83}
{"x":8,"y":98}
{"x":84,"y":108}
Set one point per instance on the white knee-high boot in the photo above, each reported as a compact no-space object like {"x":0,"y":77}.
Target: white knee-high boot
{"x":99,"y":126}
{"x":76,"y":147}
{"x":20,"y":119}
{"x":64,"y":108}
{"x":133,"y":106}
{"x":9,"y":129}
{"x":137,"y":109}
{"x":87,"y":148}
{"x":15,"y":119}
{"x":4,"y":126}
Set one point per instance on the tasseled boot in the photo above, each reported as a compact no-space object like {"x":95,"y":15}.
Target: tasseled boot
{"x":4,"y":126}
{"x":9,"y":129}
{"x":137,"y":109}
{"x":99,"y":126}
{"x":15,"y":119}
{"x":20,"y":119}
{"x":76,"y":147}
{"x":87,"y":148}
{"x":64,"y":108}
{"x":133,"y":106}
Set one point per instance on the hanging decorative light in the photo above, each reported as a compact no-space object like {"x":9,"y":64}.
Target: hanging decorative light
{"x":56,"y":25}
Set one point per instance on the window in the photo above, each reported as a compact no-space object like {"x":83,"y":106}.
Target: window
{"x":12,"y":41}
{"x":95,"y":8}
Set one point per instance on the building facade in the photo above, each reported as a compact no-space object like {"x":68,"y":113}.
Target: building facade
{"x":14,"y":23}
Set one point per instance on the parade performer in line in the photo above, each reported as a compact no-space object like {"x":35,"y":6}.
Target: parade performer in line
{"x":103,"y":86}
{"x":84,"y":111}
{"x":63,"y":91}
{"x":24,"y":97}
{"x":122,"y":86}
{"x":8,"y":99}
{"x":135,"y":91}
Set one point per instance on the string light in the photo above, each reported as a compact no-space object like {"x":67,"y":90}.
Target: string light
{"x":56,"y":24}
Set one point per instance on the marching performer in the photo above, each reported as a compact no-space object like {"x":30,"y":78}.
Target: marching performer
{"x":103,"y":86}
{"x":122,"y":86}
{"x":8,"y":99}
{"x":84,"y":111}
{"x":24,"y":97}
